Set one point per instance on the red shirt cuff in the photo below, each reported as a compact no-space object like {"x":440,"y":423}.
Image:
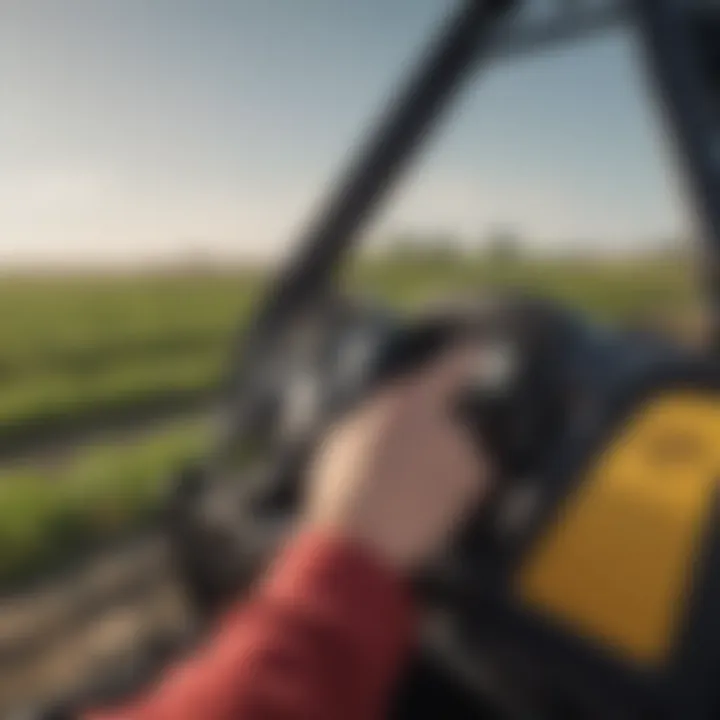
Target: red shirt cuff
{"x":328,"y":571}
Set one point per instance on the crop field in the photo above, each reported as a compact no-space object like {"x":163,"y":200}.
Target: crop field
{"x":78,"y":352}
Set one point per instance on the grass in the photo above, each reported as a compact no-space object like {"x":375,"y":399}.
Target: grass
{"x":80,"y":350}
{"x":48,"y":516}
{"x":76,"y":349}
{"x":609,"y":290}
{"x":33,"y":408}
{"x":76,"y":323}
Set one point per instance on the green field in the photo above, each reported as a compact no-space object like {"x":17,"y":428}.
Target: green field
{"x":50,"y":515}
{"x":78,"y":351}
{"x":75,"y":351}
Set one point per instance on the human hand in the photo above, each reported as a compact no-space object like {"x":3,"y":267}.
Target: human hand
{"x":401,"y":473}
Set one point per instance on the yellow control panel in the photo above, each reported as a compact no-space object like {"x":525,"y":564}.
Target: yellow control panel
{"x":616,"y":567}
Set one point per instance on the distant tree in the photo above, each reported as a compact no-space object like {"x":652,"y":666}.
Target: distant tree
{"x":675,"y":248}
{"x":403,"y":246}
{"x":503,"y":246}
{"x":424,"y":247}
{"x":441,"y":248}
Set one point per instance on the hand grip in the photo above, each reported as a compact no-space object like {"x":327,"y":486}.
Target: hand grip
{"x":519,"y":396}
{"x":517,"y":399}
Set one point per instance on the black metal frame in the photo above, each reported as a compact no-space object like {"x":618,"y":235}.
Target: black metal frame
{"x":666,"y":36}
{"x":486,"y":29}
{"x":308,"y":273}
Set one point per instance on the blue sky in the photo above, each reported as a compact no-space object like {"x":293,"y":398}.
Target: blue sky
{"x":143,"y":129}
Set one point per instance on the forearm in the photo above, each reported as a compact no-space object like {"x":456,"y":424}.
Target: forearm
{"x":323,"y":637}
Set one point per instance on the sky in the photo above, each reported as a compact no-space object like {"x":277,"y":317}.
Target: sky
{"x":141,"y":130}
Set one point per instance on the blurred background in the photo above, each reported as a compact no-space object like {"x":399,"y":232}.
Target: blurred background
{"x":156,"y":160}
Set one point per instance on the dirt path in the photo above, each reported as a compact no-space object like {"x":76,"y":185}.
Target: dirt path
{"x":56,"y":637}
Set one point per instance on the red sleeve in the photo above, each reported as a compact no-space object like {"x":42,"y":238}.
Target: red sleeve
{"x":322,"y":638}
